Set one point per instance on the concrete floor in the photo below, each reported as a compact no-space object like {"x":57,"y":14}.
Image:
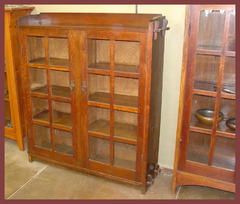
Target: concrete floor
{"x":36,"y":180}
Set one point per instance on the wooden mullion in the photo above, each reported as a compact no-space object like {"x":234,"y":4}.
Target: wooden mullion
{"x":112,"y":80}
{"x":46,"y":46}
{"x":219,"y":87}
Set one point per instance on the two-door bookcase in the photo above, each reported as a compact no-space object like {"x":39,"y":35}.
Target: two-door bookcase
{"x":93,"y":86}
{"x":206,"y":136}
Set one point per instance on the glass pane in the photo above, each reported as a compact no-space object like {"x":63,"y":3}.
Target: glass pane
{"x":99,"y":88}
{"x":7,"y":115}
{"x":125,"y":155}
{"x":127,"y":56}
{"x":228,"y":108}
{"x":229,"y":77}
{"x":63,"y":141}
{"x":60,"y":83}
{"x":198,"y":147}
{"x":98,"y":54}
{"x":40,"y":110}
{"x":125,"y":125}
{"x":62,"y":114}
{"x":224,"y":153}
{"x":211,"y":27}
{"x":58,"y":52}
{"x":232,"y":30}
{"x":202,"y":111}
{"x":38,"y":80}
{"x":99,"y":150}
{"x":98,"y":120}
{"x":42,"y":136}
{"x":126,"y":92}
{"x":36,"y":50}
{"x":206,"y":72}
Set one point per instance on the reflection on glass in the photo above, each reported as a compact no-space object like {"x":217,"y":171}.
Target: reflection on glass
{"x":126,"y":92}
{"x":224,"y":153}
{"x":58,"y":52}
{"x":211,"y":27}
{"x":125,"y":125}
{"x":60,"y":83}
{"x":7,"y":115}
{"x":61,"y":114}
{"x":229,"y":77}
{"x":127,"y":56}
{"x":38,"y":80}
{"x":40,"y":110}
{"x":36,"y":50}
{"x":42,"y":137}
{"x":228,"y":108}
{"x":99,"y":150}
{"x":63,"y":141}
{"x":198,"y":147}
{"x":99,"y":88}
{"x":125,"y":155}
{"x":98,"y":54}
{"x":98,"y":120}
{"x":206,"y":72}
{"x":232,"y":30}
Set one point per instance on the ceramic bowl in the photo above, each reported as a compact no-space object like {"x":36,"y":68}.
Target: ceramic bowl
{"x":231,"y":123}
{"x":205,"y":116}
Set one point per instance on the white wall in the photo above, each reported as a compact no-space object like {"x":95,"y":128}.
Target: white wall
{"x":172,"y":62}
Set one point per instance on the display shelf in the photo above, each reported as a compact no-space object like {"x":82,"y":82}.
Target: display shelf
{"x":42,"y":116}
{"x":39,"y":89}
{"x":62,"y":118}
{"x":40,"y":60}
{"x":61,"y":91}
{"x":100,"y":127}
{"x":52,"y":61}
{"x":119,"y":99}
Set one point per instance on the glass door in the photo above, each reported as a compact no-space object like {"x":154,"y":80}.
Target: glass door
{"x":51,"y":93}
{"x":211,"y":136}
{"x":113,"y":102}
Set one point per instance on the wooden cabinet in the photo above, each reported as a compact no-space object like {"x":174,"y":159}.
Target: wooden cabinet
{"x":206,"y":137}
{"x":14,"y":126}
{"x":93,"y":92}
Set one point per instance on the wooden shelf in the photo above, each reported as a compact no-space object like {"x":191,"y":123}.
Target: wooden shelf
{"x":119,"y":100}
{"x":204,"y":92}
{"x":121,"y":130}
{"x":42,"y":116}
{"x":52,"y":61}
{"x":60,"y":91}
{"x":41,"y":90}
{"x":117,"y":67}
{"x":41,"y":60}
{"x":209,"y":51}
{"x":101,"y":127}
{"x":58,"y":62}
{"x":62,"y":119}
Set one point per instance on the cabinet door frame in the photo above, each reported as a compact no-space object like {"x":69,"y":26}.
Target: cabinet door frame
{"x":186,"y":93}
{"x":48,"y":33}
{"x":112,"y":36}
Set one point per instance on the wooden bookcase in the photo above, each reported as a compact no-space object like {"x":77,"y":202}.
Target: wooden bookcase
{"x":205,"y":151}
{"x":93,"y":87}
{"x":14,"y":126}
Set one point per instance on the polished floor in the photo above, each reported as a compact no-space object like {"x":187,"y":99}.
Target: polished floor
{"x":36,"y":180}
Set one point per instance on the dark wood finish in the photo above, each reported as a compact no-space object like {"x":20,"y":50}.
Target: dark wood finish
{"x":108,"y":107}
{"x":199,"y":147}
{"x":12,"y":62}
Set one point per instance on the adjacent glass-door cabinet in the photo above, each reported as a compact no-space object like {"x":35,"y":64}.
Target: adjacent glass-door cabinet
{"x":13,"y":120}
{"x":88,"y":92}
{"x":206,"y":137}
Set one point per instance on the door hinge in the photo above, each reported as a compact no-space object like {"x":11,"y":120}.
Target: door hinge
{"x":160,"y":27}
